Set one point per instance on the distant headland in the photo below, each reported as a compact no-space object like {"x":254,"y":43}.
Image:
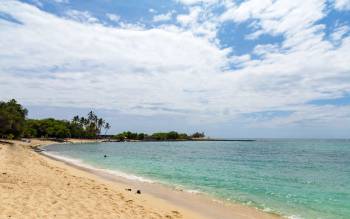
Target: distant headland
{"x":163,"y":136}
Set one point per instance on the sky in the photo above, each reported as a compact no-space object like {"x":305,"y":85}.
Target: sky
{"x":230,"y":68}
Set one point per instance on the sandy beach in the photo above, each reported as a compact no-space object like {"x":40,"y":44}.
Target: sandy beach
{"x":35,"y":186}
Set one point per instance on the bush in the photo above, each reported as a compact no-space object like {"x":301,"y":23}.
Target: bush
{"x":12,"y":119}
{"x":10,"y":136}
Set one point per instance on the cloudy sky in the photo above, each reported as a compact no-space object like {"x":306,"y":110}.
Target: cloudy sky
{"x":231,"y":68}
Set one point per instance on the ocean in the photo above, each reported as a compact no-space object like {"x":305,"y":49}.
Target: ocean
{"x":293,"y":178}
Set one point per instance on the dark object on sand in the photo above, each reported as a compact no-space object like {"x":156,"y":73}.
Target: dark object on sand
{"x":138,"y":191}
{"x":6,"y":142}
{"x":105,"y":156}
{"x":36,"y":149}
{"x":128,"y":190}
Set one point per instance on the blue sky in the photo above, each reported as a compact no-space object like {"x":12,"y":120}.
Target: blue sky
{"x":254,"y":68}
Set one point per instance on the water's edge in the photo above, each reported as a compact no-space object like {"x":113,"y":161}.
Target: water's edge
{"x":157,"y":188}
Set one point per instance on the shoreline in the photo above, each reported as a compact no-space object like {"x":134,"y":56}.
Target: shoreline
{"x":36,"y":186}
{"x":209,"y":206}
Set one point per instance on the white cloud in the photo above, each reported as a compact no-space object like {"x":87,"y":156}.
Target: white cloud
{"x":175,"y":70}
{"x":200,"y":21}
{"x":62,"y":1}
{"x":312,"y":116}
{"x":342,"y":4}
{"x":38,"y":3}
{"x":81,"y":16}
{"x":163,"y":17}
{"x":339,"y":32}
{"x":278,"y":17}
{"x":113,"y":17}
{"x":124,"y":63}
{"x":266,"y":49}
{"x":192,"y":2}
{"x":192,"y":17}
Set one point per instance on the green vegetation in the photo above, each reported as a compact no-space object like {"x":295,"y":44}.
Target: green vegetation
{"x":49,"y":128}
{"x":79,"y":127}
{"x":130,"y":136}
{"x":13,"y":124}
{"x":158,"y":136}
{"x":12,"y":119}
{"x":198,"y":135}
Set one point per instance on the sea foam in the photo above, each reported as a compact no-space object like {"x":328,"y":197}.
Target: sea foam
{"x":81,"y":163}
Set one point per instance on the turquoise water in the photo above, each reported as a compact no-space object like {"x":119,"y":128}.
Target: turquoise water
{"x":295,"y":178}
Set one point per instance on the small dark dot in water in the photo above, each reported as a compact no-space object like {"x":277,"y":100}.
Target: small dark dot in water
{"x":105,"y":156}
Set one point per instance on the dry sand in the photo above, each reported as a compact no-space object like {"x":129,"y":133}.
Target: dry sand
{"x":34,"y":186}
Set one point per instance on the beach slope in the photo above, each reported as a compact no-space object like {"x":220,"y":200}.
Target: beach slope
{"x":31,"y":186}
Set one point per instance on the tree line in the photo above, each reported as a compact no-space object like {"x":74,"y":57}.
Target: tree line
{"x":14,"y":124}
{"x":158,"y":136}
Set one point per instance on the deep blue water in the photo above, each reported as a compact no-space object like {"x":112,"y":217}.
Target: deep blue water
{"x":295,"y":178}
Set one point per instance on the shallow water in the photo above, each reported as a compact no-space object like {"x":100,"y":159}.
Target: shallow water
{"x":295,"y":178}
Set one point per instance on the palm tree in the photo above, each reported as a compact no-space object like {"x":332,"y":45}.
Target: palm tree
{"x":76,"y":119}
{"x":107,"y":127}
{"x":100,"y":123}
{"x":91,"y":117}
{"x":83,"y":122}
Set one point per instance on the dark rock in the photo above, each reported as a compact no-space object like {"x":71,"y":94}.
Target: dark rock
{"x":138,"y":191}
